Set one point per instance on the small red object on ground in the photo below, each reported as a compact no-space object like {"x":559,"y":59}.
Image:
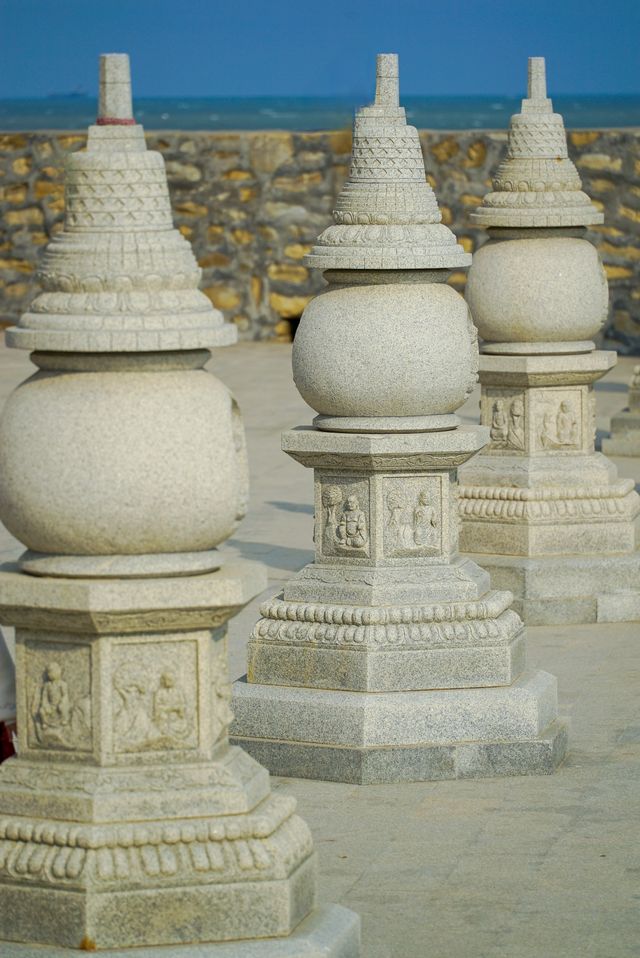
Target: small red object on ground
{"x":7,"y":731}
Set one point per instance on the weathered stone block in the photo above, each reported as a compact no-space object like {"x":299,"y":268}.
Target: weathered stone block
{"x":376,"y":669}
{"x":553,"y":589}
{"x":329,"y":932}
{"x":392,"y":737}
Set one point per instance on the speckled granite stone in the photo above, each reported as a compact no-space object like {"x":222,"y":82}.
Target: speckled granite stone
{"x":330,"y":932}
{"x":404,"y":737}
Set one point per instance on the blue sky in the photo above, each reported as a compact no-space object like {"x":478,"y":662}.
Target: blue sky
{"x":319,"y":47}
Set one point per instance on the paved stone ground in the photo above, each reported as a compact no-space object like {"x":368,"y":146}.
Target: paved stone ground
{"x":514,"y":868}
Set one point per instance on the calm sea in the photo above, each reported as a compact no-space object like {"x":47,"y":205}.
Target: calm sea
{"x":310,"y":113}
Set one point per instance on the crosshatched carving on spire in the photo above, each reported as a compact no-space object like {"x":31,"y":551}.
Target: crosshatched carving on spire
{"x":537,"y":184}
{"x":387,"y":215}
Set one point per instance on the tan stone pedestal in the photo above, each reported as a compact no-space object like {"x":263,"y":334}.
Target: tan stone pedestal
{"x":543,"y":512}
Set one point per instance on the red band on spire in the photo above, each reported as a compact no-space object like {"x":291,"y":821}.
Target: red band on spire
{"x":114,"y":121}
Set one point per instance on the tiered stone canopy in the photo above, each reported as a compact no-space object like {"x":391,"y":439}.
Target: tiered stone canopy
{"x":536,"y":185}
{"x":119,"y":277}
{"x":127,"y":819}
{"x":541,"y":509}
{"x":389,"y":657}
{"x":120,"y":295}
{"x":387,"y":215}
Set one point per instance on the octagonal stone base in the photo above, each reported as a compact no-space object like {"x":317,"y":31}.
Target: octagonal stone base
{"x":387,"y":648}
{"x":221,"y":911}
{"x":120,"y":829}
{"x":571,"y":589}
{"x":329,"y":932}
{"x":365,"y":738}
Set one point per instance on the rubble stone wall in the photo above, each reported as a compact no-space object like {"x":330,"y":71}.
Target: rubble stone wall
{"x":252,"y":204}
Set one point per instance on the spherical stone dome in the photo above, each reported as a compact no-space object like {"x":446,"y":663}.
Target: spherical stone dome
{"x":107,"y":463}
{"x":396,"y":349}
{"x":549,"y":289}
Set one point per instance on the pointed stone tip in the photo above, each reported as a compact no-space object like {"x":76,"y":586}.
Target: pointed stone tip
{"x":115,"y":105}
{"x":387,"y":83}
{"x":537,"y":87}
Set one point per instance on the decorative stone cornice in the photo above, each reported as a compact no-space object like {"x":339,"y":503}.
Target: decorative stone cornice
{"x":206,"y":851}
{"x":387,"y":215}
{"x":549,"y":504}
{"x":537,"y":184}
{"x":118,"y":277}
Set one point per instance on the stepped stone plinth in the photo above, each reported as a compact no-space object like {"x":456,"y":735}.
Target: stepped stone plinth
{"x":128,"y":824}
{"x":541,"y":510}
{"x":625,"y":425}
{"x":390,"y":657}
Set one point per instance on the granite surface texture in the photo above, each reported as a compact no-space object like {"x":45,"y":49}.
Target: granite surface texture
{"x":330,"y":932}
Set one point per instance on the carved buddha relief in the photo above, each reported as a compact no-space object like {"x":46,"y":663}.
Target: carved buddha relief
{"x":59,"y":703}
{"x":413,"y":516}
{"x":559,"y":420}
{"x":505,"y":415}
{"x":345,"y":519}
{"x":152,"y":704}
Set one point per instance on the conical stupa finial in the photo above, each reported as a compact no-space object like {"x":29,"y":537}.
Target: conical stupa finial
{"x":386,"y":215}
{"x":115,"y":104}
{"x":119,"y":277}
{"x":536,"y":184}
{"x":387,"y":82}
{"x":537,"y":87}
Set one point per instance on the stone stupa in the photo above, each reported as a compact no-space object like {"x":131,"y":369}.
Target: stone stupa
{"x":541,"y":510}
{"x":127,"y":821}
{"x":390,"y":658}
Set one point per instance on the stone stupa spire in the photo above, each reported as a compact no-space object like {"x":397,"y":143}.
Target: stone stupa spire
{"x":119,"y":277}
{"x":386,"y":215}
{"x":115,"y":105}
{"x":536,"y":184}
